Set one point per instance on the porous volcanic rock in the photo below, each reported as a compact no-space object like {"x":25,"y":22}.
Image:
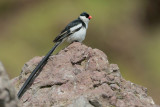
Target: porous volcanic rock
{"x":79,"y":76}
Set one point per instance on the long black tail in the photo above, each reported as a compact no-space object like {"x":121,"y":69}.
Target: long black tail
{"x":42,"y":62}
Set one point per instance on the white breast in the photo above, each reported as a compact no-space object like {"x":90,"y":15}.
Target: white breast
{"x":77,"y":36}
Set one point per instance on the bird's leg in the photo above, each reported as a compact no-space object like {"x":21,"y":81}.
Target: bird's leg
{"x":74,"y":41}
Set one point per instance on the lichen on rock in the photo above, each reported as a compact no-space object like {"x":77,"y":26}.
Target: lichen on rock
{"x":7,"y":92}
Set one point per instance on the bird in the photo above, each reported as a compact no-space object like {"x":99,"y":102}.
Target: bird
{"x":75,"y":31}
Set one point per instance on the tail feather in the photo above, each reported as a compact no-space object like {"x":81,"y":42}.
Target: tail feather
{"x":41,"y":64}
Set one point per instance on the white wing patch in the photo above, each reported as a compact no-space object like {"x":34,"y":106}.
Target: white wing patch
{"x":75,"y":27}
{"x":77,"y":36}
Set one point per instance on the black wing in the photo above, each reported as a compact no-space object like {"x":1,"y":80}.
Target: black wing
{"x":66,"y":32}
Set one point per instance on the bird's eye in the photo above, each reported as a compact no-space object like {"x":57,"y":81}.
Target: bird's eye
{"x":87,"y":16}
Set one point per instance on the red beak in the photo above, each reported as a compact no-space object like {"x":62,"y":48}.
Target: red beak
{"x":90,"y":17}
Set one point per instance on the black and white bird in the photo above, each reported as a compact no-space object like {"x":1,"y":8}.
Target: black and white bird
{"x":76,"y":30}
{"x":73,"y":32}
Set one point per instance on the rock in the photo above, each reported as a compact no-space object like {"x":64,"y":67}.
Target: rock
{"x":80,"y":102}
{"x":7,"y":91}
{"x":80,"y":76}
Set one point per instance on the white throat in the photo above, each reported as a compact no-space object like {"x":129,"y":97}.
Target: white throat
{"x":85,"y":20}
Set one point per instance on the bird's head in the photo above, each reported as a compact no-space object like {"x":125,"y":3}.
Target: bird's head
{"x":85,"y":17}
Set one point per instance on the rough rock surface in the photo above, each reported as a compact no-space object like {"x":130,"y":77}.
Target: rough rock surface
{"x":7,"y":92}
{"x":80,"y":76}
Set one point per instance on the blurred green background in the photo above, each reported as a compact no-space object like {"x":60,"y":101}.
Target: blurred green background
{"x":126,"y":30}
